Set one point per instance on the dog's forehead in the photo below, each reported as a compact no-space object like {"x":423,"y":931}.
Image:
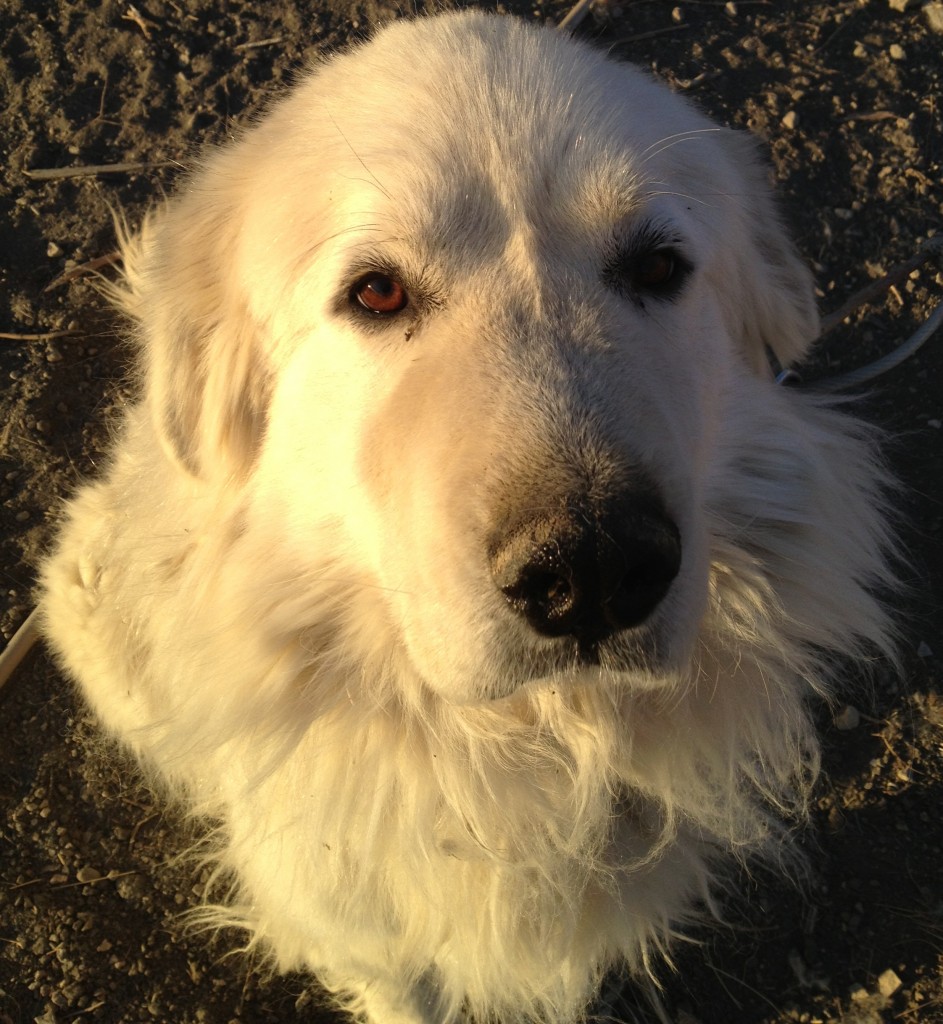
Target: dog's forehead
{"x":445,"y":80}
{"x":458,"y":124}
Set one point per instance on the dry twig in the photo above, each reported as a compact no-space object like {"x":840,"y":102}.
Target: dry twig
{"x":48,"y":336}
{"x":144,"y":24}
{"x":873,"y":290}
{"x":89,"y":267}
{"x":90,"y":170}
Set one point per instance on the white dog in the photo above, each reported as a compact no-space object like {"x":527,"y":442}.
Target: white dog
{"x":462,"y":557}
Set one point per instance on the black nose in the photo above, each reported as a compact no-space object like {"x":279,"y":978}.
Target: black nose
{"x":588,"y":574}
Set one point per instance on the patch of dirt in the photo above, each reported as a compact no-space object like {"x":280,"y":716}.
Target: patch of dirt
{"x":847,"y":97}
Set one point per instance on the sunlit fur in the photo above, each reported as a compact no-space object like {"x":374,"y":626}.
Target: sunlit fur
{"x":278,"y":596}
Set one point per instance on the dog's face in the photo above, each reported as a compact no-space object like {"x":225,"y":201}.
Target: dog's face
{"x":479,"y":318}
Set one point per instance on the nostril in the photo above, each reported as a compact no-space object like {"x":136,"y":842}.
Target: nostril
{"x":650,"y":564}
{"x":545,"y":598}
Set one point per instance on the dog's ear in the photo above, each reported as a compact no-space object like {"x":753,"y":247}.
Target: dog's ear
{"x":206,"y":379}
{"x":771,"y":301}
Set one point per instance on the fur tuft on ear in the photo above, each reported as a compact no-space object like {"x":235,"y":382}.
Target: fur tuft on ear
{"x":205,"y":370}
{"x":774,"y":305}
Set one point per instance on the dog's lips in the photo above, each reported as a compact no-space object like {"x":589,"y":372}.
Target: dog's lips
{"x":588,"y":652}
{"x":633,"y":658}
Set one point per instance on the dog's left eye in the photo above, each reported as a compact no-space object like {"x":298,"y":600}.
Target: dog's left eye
{"x":655,"y":271}
{"x":380,"y":294}
{"x":659,"y":271}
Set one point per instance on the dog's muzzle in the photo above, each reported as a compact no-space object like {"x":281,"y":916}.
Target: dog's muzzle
{"x":588,"y":572}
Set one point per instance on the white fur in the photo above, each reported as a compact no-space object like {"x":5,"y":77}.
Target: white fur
{"x":279,"y":594}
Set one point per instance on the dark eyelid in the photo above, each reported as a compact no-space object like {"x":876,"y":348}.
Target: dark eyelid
{"x":629,"y":248}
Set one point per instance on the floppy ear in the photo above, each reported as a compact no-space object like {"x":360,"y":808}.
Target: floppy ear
{"x":206,"y":378}
{"x":771,"y":298}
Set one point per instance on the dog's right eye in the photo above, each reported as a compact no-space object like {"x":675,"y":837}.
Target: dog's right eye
{"x":379,"y":294}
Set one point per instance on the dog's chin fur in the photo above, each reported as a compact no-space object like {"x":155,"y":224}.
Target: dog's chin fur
{"x":496,"y":839}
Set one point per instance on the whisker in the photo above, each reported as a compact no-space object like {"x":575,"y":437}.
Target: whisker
{"x":673,"y":140}
{"x":680,"y":195}
{"x":372,"y":177}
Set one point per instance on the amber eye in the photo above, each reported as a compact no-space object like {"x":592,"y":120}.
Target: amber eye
{"x":648,"y":266}
{"x":654,"y":271}
{"x":380,"y":294}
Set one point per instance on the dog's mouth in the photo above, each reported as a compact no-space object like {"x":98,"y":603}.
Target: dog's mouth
{"x":639,"y":658}
{"x":588,"y":652}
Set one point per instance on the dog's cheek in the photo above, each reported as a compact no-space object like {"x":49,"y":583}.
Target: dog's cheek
{"x":420,"y":469}
{"x":307,"y":468}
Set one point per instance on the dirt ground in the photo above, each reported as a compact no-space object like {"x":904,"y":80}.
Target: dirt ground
{"x":847,"y":97}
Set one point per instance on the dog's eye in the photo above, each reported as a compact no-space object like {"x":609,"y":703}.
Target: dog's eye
{"x":380,"y":294}
{"x":655,"y":271}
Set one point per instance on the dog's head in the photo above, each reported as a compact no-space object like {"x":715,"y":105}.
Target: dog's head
{"x":475,"y":297}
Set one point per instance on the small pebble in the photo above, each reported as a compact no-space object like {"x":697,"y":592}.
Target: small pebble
{"x":858,"y":993}
{"x":897,"y":52}
{"x":53,"y":250}
{"x":934,"y":15}
{"x":889,"y":983}
{"x":790,"y":120}
{"x":88,"y":874}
